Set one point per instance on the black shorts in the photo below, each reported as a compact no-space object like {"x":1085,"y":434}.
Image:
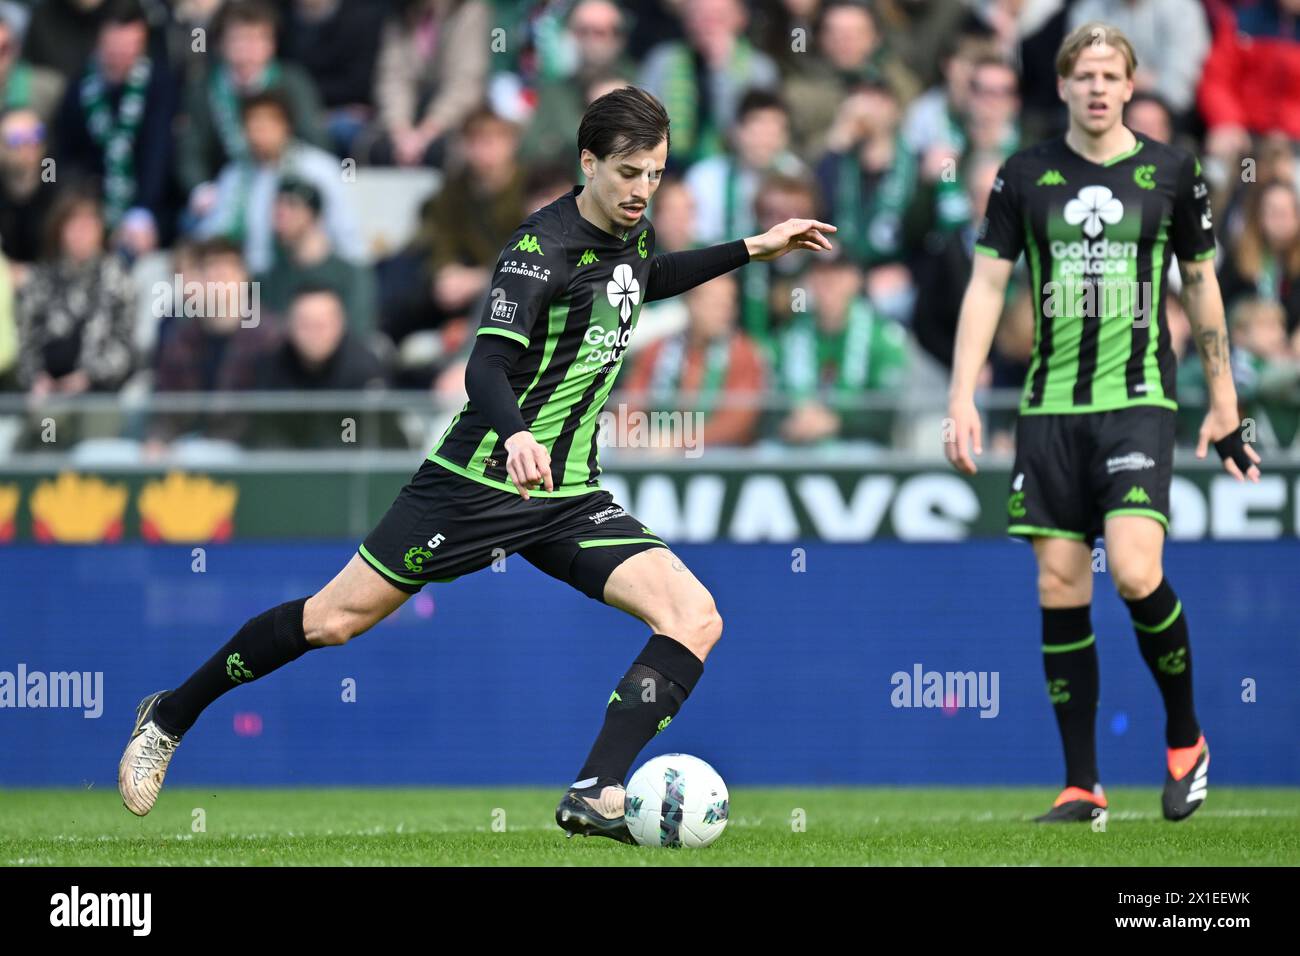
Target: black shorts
{"x":1072,"y":472}
{"x":443,"y":526}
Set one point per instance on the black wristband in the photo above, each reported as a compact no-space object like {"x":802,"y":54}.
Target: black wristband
{"x":1233,"y":447}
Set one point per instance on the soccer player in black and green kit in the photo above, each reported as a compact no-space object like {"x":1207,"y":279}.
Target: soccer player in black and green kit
{"x":516,"y":471}
{"x":1098,"y":213}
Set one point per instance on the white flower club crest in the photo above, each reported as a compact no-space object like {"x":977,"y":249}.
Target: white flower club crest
{"x":1093,"y":206}
{"x":623,"y":291}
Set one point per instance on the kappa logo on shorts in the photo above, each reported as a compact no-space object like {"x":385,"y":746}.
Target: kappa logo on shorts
{"x":1133,"y":461}
{"x":1137,"y":496}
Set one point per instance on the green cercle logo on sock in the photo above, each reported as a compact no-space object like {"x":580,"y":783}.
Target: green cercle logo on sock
{"x":1175,"y":662}
{"x":236,"y":669}
{"x":1057,"y":690}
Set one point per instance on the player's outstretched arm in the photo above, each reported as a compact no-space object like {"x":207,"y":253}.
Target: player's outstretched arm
{"x":1204,"y":305}
{"x":674,"y":272}
{"x":981,"y":307}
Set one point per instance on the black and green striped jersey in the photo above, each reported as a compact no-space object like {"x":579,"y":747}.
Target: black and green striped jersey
{"x":1098,"y":238}
{"x":570,"y":293}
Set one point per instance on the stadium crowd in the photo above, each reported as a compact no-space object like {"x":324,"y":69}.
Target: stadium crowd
{"x":223,"y":143}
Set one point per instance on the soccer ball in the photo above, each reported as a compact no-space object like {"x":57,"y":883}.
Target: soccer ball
{"x":676,"y":800}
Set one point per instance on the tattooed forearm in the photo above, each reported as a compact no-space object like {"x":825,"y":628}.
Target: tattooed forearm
{"x":1213,"y":346}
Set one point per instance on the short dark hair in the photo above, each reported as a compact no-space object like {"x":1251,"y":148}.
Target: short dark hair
{"x":621,"y":122}
{"x":273,"y":99}
{"x":246,"y":13}
{"x":755,"y":100}
{"x":218,"y":247}
{"x":119,"y":13}
{"x":317,"y":287}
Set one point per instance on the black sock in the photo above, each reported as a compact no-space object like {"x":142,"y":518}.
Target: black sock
{"x":643,"y":704}
{"x":1162,"y":637}
{"x":264,"y":643}
{"x":1070,"y":662}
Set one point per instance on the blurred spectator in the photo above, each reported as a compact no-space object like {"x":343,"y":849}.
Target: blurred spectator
{"x":918,"y":32}
{"x":942,"y":270}
{"x":62,"y":35}
{"x":304,"y":256}
{"x":247,"y":187}
{"x":23,"y":85}
{"x":189,"y":19}
{"x":867,"y":177}
{"x":337,"y":43}
{"x":654,"y":22}
{"x":987,"y":124}
{"x":545,"y":183}
{"x":769,"y":289}
{"x":1148,"y":114}
{"x":1264,"y":261}
{"x":711,"y":368}
{"x":1273,"y":161}
{"x":933,"y":121}
{"x":598,"y":34}
{"x":849,"y":53}
{"x":27,"y":187}
{"x":723,"y":186}
{"x":701,"y":79}
{"x":785,"y":30}
{"x":1266,"y":369}
{"x":213,"y":133}
{"x":216,"y":350}
{"x":833,"y":354}
{"x":1009,"y":23}
{"x":75,"y":309}
{"x":1251,"y":81}
{"x":115,"y":125}
{"x":990,"y":120}
{"x":318,"y":352}
{"x":462,"y":232}
{"x":1171,"y":39}
{"x":431,"y":73}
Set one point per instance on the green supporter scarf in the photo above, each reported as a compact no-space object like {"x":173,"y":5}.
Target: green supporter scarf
{"x":872,"y":228}
{"x":681,"y":98}
{"x":114,"y":132}
{"x":805,"y":352}
{"x":224,"y":101}
{"x":665,"y":381}
{"x":18,"y":91}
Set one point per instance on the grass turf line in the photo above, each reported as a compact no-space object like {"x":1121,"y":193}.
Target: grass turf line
{"x":445,"y":826}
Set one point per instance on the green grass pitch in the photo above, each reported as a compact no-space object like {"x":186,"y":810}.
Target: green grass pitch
{"x":515,"y":826}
